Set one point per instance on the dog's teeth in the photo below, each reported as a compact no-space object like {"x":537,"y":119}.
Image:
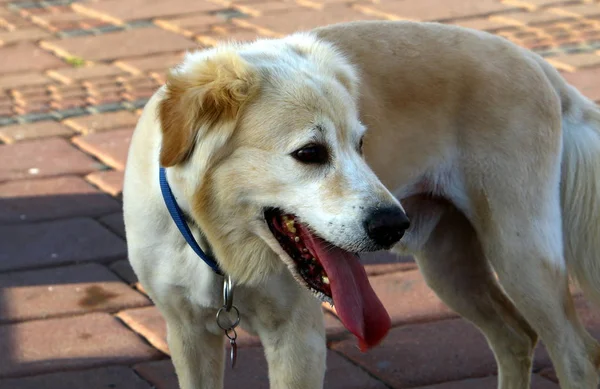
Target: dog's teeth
{"x":313,"y":259}
{"x":296,"y":239}
{"x":326,"y":280}
{"x":305,"y":250}
{"x":289,"y":224}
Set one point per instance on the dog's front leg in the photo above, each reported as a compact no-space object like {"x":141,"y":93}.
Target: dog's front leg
{"x":295,"y":346}
{"x":197,"y":352}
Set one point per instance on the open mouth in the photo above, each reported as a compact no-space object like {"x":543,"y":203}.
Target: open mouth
{"x":293,"y":238}
{"x":334,"y":275}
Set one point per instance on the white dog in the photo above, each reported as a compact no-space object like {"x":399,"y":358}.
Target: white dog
{"x":262,"y":145}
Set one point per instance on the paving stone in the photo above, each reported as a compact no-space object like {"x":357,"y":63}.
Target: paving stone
{"x":15,"y":80}
{"x":24,"y":57}
{"x":75,"y":343}
{"x":25,"y":201}
{"x":115,"y":223}
{"x":532,"y":18}
{"x":102,"y":122}
{"x":11,"y":134}
{"x":140,"y":41}
{"x":110,"y":181}
{"x":27,"y":34}
{"x":124,"y":270}
{"x":114,"y":377}
{"x":270,"y":7}
{"x":45,"y":158}
{"x":237,"y":35}
{"x":188,"y":25}
{"x":572,"y":62}
{"x":251,"y":372}
{"x":486,"y":23}
{"x":408,"y":299}
{"x":160,"y":62}
{"x":41,"y":294}
{"x":109,"y":147}
{"x":303,"y":20}
{"x":385,"y":262}
{"x":57,"y":242}
{"x":578,"y":10}
{"x":144,"y":9}
{"x":429,"y":10}
{"x":70,"y":75}
{"x":149,"y":323}
{"x":587,"y":81}
{"x":426,"y":354}
{"x":537,"y":382}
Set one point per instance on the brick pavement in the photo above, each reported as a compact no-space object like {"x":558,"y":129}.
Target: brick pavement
{"x":73,"y":78}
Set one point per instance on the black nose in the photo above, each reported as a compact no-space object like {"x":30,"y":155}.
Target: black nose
{"x":386,"y":225}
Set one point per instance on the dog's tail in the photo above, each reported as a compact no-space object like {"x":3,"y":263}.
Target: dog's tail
{"x":580,"y":184}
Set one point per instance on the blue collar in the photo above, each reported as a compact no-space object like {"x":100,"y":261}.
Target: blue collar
{"x":179,"y":219}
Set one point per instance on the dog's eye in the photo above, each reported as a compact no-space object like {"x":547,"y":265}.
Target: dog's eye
{"x":312,"y":154}
{"x":360,"y":145}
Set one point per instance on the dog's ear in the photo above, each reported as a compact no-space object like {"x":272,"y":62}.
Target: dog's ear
{"x":202,"y":97}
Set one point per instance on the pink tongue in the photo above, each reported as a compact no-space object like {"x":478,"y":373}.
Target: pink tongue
{"x":356,"y":304}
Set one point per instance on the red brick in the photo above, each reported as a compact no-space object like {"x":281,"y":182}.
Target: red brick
{"x":578,"y":10}
{"x":270,"y":7}
{"x":385,"y":262}
{"x":115,"y":223}
{"x":485,"y":23}
{"x":531,"y":18}
{"x":27,"y":34}
{"x":24,"y":57}
{"x":189,"y":25}
{"x":11,"y":134}
{"x":100,"y":378}
{"x":537,"y":382}
{"x":69,"y":343}
{"x":572,"y":62}
{"x":251,"y":372}
{"x":110,"y":147}
{"x":57,"y":242}
{"x":434,"y":9}
{"x":399,"y":292}
{"x":587,"y":81}
{"x":140,"y":41}
{"x":302,"y":20}
{"x":102,"y":122}
{"x":236,"y":35}
{"x":334,"y":328}
{"x":160,"y":62}
{"x":45,"y":158}
{"x":549,"y":374}
{"x":40,"y":294}
{"x":144,"y":9}
{"x":425,"y":354}
{"x":124,"y":270}
{"x":110,"y":181}
{"x":15,"y":80}
{"x":150,"y":324}
{"x":52,"y":198}
{"x":69,"y":75}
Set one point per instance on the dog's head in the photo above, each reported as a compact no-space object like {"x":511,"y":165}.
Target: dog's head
{"x":264,"y":141}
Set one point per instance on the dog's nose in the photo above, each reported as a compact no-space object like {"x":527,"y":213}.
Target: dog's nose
{"x":386,"y":225}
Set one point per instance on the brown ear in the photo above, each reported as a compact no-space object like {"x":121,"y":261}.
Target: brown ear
{"x":201,"y":97}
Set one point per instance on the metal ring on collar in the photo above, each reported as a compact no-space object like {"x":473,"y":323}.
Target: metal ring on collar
{"x":229,"y":326}
{"x":228,"y":293}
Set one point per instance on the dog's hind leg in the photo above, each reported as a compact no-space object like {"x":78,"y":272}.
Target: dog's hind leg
{"x":453,"y":264}
{"x":516,"y":213}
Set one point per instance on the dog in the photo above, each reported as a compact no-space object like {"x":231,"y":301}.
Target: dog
{"x":288,"y":156}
